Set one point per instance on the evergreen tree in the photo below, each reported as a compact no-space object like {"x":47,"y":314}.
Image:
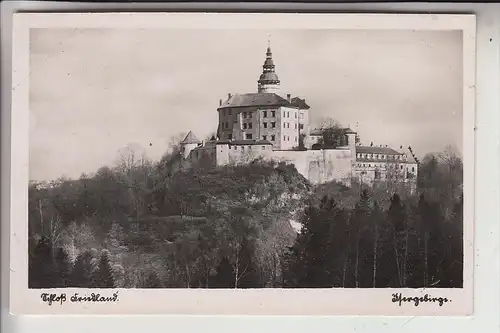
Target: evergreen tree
{"x":63,"y":268}
{"x":42,"y":272}
{"x":102,"y":277}
{"x":152,"y":281}
{"x":396,"y":216}
{"x":81,"y":274}
{"x":224,"y":277}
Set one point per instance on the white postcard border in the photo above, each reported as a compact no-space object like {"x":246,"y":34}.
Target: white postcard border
{"x":261,"y":301}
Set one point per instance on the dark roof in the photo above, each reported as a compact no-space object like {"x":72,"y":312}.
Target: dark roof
{"x":249,"y":142}
{"x":377,"y":150}
{"x":300,"y":103}
{"x":255,"y":99}
{"x":319,"y":131}
{"x":269,"y":77}
{"x":190,"y":138}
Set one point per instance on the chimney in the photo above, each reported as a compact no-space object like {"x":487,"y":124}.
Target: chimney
{"x":371,"y":144}
{"x":220,"y":102}
{"x":289,"y":97}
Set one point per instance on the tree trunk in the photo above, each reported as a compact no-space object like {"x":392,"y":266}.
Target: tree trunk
{"x":375,"y":246}
{"x":356,"y":279}
{"x":426,"y":267}
{"x":344,"y":269}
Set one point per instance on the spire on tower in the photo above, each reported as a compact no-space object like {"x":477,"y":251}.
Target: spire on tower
{"x":268,"y":81}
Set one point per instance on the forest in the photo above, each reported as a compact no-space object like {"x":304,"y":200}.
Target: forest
{"x":144,"y":224}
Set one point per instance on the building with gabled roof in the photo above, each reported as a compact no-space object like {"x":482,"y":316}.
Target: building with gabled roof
{"x":265,"y":124}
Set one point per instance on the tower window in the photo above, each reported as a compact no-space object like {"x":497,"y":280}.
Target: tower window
{"x":245,"y":125}
{"x":264,"y":114}
{"x":265,"y":125}
{"x":273,"y":137}
{"x":273,"y":113}
{"x":273,"y":124}
{"x":264,"y":137}
{"x":248,"y":136}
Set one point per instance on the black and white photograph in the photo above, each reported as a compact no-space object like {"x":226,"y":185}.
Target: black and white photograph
{"x":242,"y":159}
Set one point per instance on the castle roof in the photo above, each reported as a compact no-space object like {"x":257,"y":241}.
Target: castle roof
{"x":190,"y":138}
{"x":377,"y":150}
{"x":300,"y":103}
{"x":319,"y":131}
{"x":255,"y":99}
{"x":268,"y":75}
{"x":244,"y":142}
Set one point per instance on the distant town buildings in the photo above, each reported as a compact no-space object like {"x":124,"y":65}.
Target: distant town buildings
{"x":269,"y":125}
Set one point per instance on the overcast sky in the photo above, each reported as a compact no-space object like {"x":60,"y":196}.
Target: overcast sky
{"x":94,"y":91}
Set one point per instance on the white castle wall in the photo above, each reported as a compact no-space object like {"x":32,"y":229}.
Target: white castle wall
{"x":320,"y":166}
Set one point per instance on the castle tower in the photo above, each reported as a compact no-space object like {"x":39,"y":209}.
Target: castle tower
{"x":351,"y":143}
{"x":189,"y":143}
{"x":268,"y":81}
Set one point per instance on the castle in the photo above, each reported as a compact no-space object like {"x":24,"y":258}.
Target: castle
{"x":270,"y":126}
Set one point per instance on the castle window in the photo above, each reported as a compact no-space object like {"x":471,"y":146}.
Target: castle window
{"x":287,"y":125}
{"x":301,"y":126}
{"x":284,"y":138}
{"x":295,"y":114}
{"x":413,"y":169}
{"x":295,"y":139}
{"x":273,"y":138}
{"x":401,"y":167}
{"x":295,"y":125}
{"x":250,"y":125}
{"x":273,"y":113}
{"x":264,"y":137}
{"x":265,"y":125}
{"x":288,"y":114}
{"x":244,"y":114}
{"x":264,"y":114}
{"x":248,"y":136}
{"x":273,"y":124}
{"x":369,"y":165}
{"x":244,"y":125}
